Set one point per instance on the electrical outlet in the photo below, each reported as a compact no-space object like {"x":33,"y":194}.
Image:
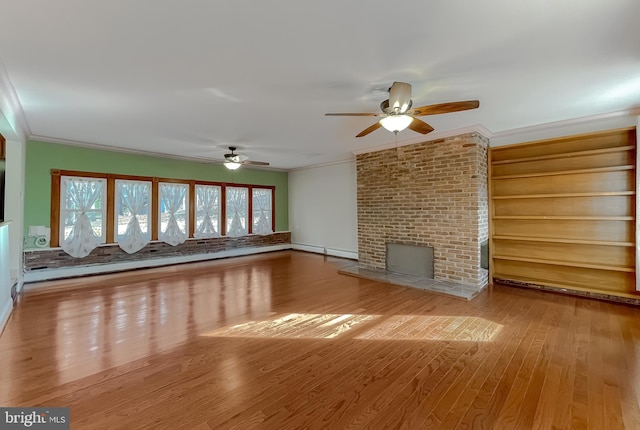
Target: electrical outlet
{"x":37,"y":230}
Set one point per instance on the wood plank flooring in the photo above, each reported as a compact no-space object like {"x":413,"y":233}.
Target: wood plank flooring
{"x":281,"y":341}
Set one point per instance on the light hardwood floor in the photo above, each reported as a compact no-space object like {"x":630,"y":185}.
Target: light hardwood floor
{"x":281,"y":341}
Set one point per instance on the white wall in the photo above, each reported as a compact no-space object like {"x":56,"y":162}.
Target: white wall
{"x":322,"y":209}
{"x":5,"y":286}
{"x":14,"y":204}
{"x":14,"y":128}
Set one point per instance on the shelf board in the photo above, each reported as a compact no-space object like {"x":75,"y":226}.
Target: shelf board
{"x":566,"y":263}
{"x":565,"y":155}
{"x":567,"y":172}
{"x":561,"y":240}
{"x":549,"y":196}
{"x":566,"y":287}
{"x":566,"y":217}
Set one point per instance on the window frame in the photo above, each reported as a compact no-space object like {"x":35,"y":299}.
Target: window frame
{"x":115,"y":207}
{"x":56,"y":182}
{"x":247,"y":206}
{"x":220,"y":205}
{"x":272,"y":196}
{"x":187,"y":207}
{"x":63,"y":210}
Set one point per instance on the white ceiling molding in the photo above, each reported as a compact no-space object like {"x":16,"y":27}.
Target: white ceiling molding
{"x":88,"y":145}
{"x":478,"y":128}
{"x":13,"y":122}
{"x":587,"y":124}
{"x":332,"y":163}
{"x":593,"y":123}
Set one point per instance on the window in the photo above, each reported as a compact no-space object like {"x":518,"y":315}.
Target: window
{"x":172,"y":212}
{"x":82,"y":214}
{"x":133,"y":214}
{"x":237,"y":211}
{"x":207,"y":211}
{"x":262,"y":211}
{"x":89,"y":208}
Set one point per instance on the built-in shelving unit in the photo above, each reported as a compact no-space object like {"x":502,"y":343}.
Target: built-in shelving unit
{"x":563,"y":212}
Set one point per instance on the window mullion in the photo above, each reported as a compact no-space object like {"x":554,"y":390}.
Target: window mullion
{"x":110,"y":215}
{"x":191,"y":204}
{"x":250,"y":210}
{"x":223,"y":210}
{"x":55,"y":209}
{"x":155,"y":209}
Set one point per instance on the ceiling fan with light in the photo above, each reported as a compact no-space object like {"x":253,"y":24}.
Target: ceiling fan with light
{"x":397,"y":113}
{"x":232,"y":161}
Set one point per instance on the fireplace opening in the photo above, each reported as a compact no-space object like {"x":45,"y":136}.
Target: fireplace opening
{"x":410,"y":260}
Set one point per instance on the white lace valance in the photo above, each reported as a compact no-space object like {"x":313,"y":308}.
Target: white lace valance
{"x":237,"y":211}
{"x":262,"y":213}
{"x":174,"y":219}
{"x":82,"y":201}
{"x":133,"y":210}
{"x":207,"y":211}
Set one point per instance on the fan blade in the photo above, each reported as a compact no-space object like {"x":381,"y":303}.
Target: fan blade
{"x":255,"y":163}
{"x":444,"y":108}
{"x":400,"y":96}
{"x":420,"y":126}
{"x":351,"y":114}
{"x":368,"y":130}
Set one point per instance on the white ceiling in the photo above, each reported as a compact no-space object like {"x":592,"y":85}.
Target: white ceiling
{"x":191,"y":78}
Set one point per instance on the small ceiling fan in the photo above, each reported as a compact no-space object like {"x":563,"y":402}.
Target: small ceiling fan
{"x":232,"y":161}
{"x":397,"y":113}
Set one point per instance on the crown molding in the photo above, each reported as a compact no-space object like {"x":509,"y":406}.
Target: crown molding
{"x":327,"y":164}
{"x":585,"y":124}
{"x":477,"y":128}
{"x":82,"y":144}
{"x":606,"y":121}
{"x":11,"y":108}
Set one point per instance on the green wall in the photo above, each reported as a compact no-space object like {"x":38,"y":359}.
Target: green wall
{"x":42,"y":157}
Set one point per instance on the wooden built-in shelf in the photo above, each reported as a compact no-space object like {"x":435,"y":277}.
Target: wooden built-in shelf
{"x":568,"y":172}
{"x":561,"y":240}
{"x":566,"y":217}
{"x":565,"y":155}
{"x":550,"y":196}
{"x":587,"y":185}
{"x":566,"y":263}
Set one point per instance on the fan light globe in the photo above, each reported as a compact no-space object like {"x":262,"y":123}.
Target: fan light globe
{"x":396,"y":123}
{"x":231,"y":165}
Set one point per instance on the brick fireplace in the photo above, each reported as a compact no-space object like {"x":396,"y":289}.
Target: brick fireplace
{"x":427,"y":194}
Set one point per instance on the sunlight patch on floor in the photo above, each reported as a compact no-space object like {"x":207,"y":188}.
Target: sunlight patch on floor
{"x":420,"y":327}
{"x":373,"y":327}
{"x":317,"y":326}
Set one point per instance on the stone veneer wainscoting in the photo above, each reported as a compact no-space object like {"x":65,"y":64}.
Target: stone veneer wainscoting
{"x":105,"y":255}
{"x":432,"y":194}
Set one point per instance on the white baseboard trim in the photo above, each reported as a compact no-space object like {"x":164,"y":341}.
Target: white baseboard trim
{"x":325,"y":251}
{"x":69,"y":272}
{"x":5,"y":313}
{"x":308,"y":248}
{"x":342,"y":254}
{"x":17,"y":282}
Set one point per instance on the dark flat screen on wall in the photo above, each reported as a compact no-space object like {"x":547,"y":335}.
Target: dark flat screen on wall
{"x":1,"y":190}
